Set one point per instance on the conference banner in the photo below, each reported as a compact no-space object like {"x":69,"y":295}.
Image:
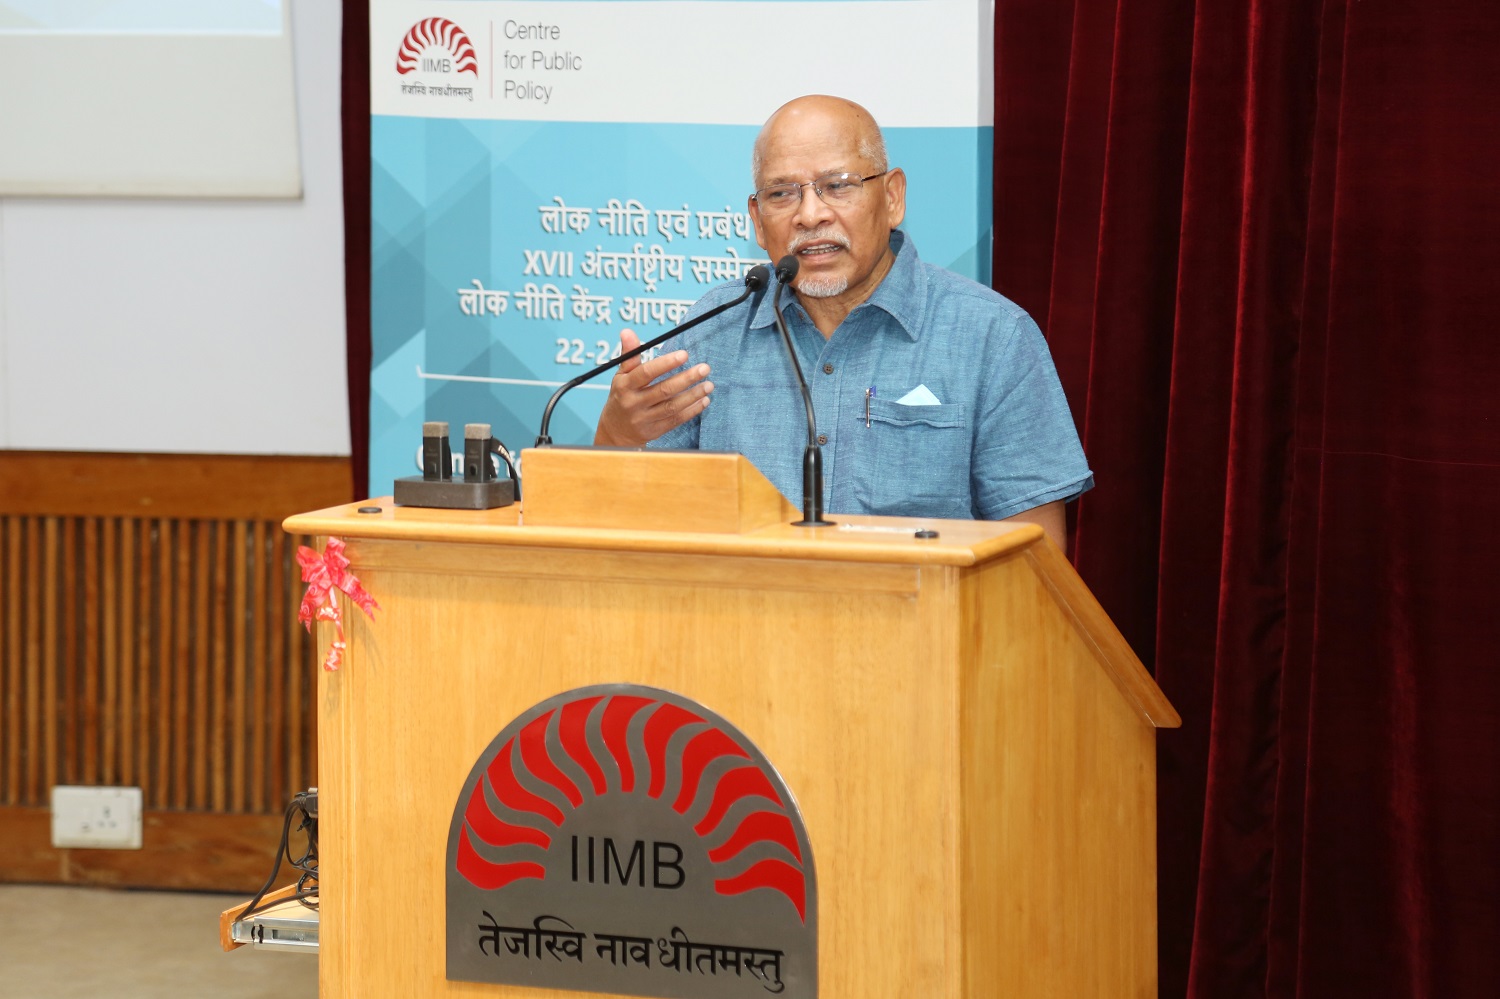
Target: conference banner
{"x":548,"y":174}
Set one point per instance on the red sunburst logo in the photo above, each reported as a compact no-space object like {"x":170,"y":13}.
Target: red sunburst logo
{"x":641,"y":747}
{"x":440,"y":33}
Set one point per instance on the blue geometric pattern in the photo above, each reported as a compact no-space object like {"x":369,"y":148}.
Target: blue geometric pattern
{"x":458,"y":201}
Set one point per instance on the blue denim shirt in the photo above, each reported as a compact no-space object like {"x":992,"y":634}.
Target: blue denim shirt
{"x":967,"y":419}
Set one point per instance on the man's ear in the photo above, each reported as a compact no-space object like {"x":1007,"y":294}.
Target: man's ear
{"x":753,"y":207}
{"x":894,"y":185}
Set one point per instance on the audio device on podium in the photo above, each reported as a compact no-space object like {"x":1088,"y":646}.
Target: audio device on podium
{"x":640,"y":735}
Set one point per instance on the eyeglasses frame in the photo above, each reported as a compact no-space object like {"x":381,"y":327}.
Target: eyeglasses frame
{"x":816,"y":189}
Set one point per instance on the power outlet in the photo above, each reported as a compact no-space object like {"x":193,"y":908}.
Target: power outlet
{"x":101,"y":818}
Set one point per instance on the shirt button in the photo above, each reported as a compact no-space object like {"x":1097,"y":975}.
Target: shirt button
{"x":827,"y":369}
{"x":822,"y":438}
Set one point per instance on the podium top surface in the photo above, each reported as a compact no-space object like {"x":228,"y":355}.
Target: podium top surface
{"x":680,"y":502}
{"x":850,"y":539}
{"x":608,"y":500}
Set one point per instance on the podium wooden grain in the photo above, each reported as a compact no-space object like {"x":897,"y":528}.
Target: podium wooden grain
{"x":971,"y":742}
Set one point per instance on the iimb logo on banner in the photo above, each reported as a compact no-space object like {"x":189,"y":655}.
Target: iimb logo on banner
{"x":624,"y":839}
{"x":432,"y":59}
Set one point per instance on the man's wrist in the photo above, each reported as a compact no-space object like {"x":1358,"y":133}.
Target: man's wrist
{"x":604,"y":438}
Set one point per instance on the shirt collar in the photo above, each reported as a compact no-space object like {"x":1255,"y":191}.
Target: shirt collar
{"x":900,"y":293}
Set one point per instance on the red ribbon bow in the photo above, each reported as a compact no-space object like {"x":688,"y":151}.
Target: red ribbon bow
{"x":323,"y":573}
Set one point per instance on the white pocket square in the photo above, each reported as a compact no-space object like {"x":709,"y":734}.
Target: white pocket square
{"x":919,"y":396}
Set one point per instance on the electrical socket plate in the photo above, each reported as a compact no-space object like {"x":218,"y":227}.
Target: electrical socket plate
{"x":102,"y":818}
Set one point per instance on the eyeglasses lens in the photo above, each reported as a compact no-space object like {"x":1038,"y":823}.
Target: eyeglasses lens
{"x":833,"y":188}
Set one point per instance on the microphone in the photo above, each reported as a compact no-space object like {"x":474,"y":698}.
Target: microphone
{"x":437,"y":453}
{"x":812,"y":458}
{"x":756,"y":280}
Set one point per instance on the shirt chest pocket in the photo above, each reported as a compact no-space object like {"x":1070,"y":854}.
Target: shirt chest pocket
{"x":913,"y":461}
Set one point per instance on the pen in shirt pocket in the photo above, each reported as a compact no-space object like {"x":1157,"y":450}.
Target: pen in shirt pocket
{"x":869,"y":394}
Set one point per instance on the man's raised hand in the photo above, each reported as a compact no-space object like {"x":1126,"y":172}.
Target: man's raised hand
{"x":639,"y":411}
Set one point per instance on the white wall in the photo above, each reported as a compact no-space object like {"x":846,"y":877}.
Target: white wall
{"x":185,"y":325}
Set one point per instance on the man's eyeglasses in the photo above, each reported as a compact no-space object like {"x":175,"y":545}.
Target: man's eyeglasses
{"x":836,"y":190}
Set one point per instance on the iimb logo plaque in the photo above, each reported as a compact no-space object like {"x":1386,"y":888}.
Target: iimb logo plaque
{"x":621,"y":838}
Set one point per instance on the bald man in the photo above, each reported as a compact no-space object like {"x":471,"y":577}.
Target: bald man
{"x":935,"y":396}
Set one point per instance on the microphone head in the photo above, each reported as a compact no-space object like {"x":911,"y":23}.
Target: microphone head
{"x":786,"y":268}
{"x":758,"y":277}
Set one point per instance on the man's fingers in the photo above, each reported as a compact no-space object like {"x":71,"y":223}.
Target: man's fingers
{"x":645,"y":372}
{"x":690,"y":411}
{"x":653,"y":369}
{"x":628,"y":342}
{"x":647,"y":381}
{"x":679,"y":409}
{"x":669,"y":388}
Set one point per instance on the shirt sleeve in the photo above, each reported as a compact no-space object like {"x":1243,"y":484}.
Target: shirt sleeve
{"x":1026,"y":447}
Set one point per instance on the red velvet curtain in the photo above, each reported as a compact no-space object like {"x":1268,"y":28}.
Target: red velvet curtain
{"x":354,"y":114}
{"x":1261,"y":237}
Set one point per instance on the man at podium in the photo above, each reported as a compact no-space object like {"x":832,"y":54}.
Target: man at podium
{"x":935,"y":396}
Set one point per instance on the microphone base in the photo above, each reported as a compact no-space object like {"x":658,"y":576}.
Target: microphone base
{"x":455,"y":494}
{"x":812,"y":465}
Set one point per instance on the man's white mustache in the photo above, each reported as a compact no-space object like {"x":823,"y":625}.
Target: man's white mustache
{"x":817,"y":236}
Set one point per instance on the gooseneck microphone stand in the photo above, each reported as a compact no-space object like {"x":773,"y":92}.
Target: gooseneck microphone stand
{"x":755,"y":280}
{"x":812,"y":458}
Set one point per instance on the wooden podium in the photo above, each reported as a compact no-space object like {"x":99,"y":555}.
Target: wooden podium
{"x":970,"y":740}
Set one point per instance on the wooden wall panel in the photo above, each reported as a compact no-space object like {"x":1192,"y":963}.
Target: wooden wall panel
{"x":148,"y":637}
